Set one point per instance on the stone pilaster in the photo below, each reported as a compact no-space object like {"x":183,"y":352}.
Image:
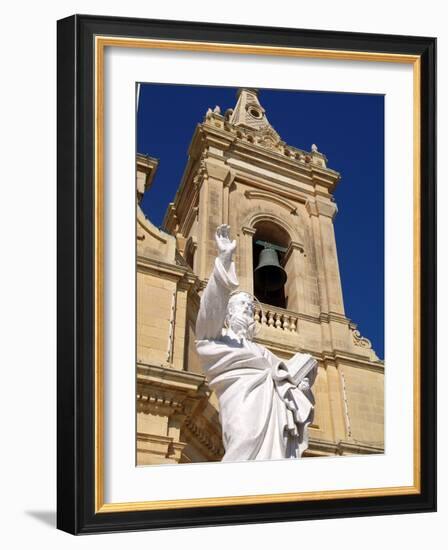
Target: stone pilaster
{"x":336,"y":402}
{"x":294,"y":288}
{"x":179,"y":328}
{"x":326,"y":212}
{"x":246,"y":267}
{"x":213,"y":211}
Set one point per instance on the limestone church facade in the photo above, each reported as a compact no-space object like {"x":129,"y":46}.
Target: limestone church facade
{"x":240,"y":172}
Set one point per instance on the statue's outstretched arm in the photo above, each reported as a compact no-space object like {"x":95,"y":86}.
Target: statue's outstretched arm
{"x":222,"y":282}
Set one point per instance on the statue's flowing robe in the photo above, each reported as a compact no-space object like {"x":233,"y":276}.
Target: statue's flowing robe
{"x":263,"y":413}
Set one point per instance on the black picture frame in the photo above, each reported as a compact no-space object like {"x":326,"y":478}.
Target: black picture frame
{"x":76,"y":510}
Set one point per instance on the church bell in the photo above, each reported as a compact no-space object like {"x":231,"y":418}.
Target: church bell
{"x":269,"y":274}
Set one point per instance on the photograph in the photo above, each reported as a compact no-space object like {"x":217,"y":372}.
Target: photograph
{"x":259,"y":274}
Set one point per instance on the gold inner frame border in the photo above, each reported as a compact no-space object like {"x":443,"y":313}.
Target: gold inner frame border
{"x":101,"y":42}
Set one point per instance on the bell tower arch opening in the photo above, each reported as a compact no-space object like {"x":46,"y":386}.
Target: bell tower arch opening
{"x":269,"y":246}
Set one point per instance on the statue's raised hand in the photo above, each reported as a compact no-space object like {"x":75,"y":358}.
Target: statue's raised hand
{"x":226,"y":247}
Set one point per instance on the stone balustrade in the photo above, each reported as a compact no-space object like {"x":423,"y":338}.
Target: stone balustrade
{"x":275,"y":318}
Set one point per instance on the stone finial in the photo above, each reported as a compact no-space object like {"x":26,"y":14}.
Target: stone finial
{"x":248,"y":111}
{"x":217,"y":110}
{"x":314,"y":148}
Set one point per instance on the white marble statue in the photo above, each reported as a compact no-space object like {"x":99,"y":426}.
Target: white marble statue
{"x":266,"y":403}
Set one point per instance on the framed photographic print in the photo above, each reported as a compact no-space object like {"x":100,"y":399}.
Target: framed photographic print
{"x":246,"y":267}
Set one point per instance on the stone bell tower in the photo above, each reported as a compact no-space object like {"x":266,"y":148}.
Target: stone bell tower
{"x":273,"y":195}
{"x":241,"y":173}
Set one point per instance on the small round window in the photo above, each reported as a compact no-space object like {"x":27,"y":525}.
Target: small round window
{"x":256,"y":113}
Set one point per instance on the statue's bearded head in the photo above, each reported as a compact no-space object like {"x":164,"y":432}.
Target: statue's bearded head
{"x":240,"y":315}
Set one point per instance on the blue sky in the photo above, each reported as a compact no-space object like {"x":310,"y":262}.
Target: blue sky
{"x":347,"y":128}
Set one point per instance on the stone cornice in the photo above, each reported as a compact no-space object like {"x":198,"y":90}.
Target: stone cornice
{"x":355,"y":447}
{"x":245,"y":163}
{"x":159,"y":401}
{"x":326,"y":177}
{"x":321,"y":447}
{"x":216,"y":137}
{"x":257,"y":152}
{"x":206,"y":436}
{"x":181,"y":273}
{"x":356,"y":360}
{"x":337,"y":317}
{"x":305,"y":160}
{"x":334,"y":356}
{"x":167,"y":375}
{"x":324,"y":447}
{"x":154,"y":265}
{"x":167,"y":391}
